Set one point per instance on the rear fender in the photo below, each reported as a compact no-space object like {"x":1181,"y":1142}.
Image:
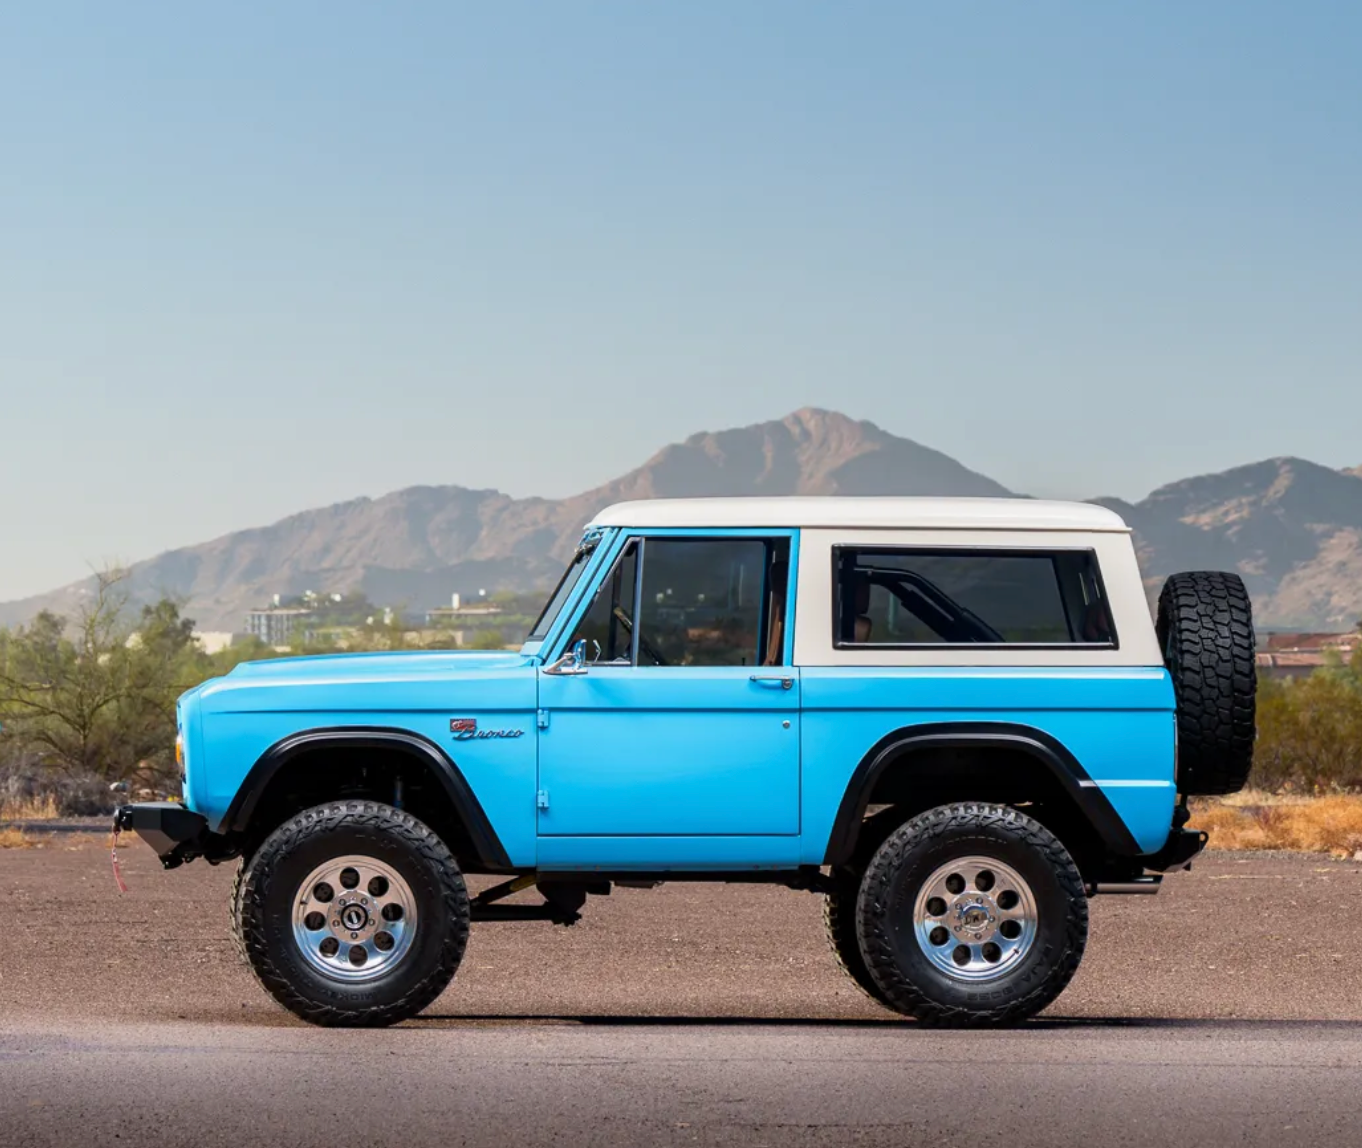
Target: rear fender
{"x":897,"y":749}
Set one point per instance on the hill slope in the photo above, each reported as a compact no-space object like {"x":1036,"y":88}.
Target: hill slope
{"x":419,"y":545}
{"x":1291,"y":527}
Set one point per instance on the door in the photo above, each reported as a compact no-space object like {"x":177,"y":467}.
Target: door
{"x":686,"y":721}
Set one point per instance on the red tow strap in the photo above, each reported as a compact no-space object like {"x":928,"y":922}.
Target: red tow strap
{"x":113,"y":856}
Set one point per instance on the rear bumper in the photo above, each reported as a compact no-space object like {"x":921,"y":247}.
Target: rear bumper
{"x":1177,"y":852}
{"x":175,"y":833}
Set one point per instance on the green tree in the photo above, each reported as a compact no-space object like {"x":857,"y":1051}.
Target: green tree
{"x":96,"y":694}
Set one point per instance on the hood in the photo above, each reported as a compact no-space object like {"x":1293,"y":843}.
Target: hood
{"x":362,"y":685}
{"x":402,"y":664}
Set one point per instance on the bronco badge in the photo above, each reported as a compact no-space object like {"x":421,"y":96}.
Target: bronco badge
{"x":466,"y":729}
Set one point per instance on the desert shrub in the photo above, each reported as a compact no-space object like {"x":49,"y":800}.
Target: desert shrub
{"x":1310,"y":732}
{"x":29,"y":790}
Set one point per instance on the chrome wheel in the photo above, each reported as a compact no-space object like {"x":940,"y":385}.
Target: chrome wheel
{"x":354,"y":918}
{"x":975,"y":918}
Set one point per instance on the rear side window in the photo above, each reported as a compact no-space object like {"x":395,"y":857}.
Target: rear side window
{"x":895,"y":596}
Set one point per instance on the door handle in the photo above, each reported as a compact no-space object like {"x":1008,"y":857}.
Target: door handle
{"x":773,"y":681}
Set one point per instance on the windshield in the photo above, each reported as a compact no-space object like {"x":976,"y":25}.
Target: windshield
{"x":565,"y":587}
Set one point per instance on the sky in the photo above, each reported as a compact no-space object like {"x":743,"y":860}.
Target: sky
{"x":266,"y":256}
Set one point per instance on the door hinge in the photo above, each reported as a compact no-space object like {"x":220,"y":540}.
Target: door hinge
{"x":543,"y":719}
{"x":541,"y":799}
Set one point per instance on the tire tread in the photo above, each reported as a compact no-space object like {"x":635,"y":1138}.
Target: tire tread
{"x":253,"y":880}
{"x":1205,"y":627}
{"x":839,"y":925}
{"x":947,"y":822}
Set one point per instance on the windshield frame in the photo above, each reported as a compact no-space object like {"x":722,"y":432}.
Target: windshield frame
{"x":567,"y":584}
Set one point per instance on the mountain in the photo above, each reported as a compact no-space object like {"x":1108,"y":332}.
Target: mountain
{"x":419,"y":545}
{"x":1291,"y":527}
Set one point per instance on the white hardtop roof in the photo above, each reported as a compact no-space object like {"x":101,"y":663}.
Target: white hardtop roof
{"x":871,"y":513}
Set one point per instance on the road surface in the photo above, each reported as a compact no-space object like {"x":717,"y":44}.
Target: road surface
{"x":1227,"y":1010}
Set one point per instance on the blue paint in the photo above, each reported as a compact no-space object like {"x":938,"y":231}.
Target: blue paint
{"x":675,"y":767}
{"x":668,"y":854}
{"x":260,"y":703}
{"x":666,"y":750}
{"x":1117,"y":723}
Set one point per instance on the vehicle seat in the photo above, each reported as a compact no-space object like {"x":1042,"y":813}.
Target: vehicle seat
{"x":863,"y":624}
{"x":775,"y":636}
{"x":1096,"y":623}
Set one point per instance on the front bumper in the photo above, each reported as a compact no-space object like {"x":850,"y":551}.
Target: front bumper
{"x":175,"y":833}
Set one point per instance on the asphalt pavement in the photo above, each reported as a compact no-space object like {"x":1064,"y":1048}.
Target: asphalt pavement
{"x":1227,"y":1010}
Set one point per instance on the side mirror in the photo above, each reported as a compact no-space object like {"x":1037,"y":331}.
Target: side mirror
{"x":572,"y":663}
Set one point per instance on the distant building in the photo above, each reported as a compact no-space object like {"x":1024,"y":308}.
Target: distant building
{"x":275,"y":626}
{"x":1295,"y":655}
{"x":214,"y":641}
{"x":444,"y":615}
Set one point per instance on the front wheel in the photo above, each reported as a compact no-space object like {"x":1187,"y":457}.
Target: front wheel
{"x":971,"y":915}
{"x":353,"y":913}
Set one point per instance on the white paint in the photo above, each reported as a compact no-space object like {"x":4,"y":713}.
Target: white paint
{"x":1120,"y":578}
{"x":878,"y":513}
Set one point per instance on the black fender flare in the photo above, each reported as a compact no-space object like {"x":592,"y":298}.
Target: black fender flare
{"x":487,"y":845}
{"x":1037,"y":744}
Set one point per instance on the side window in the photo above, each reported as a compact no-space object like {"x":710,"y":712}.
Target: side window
{"x":908,"y":597}
{"x":703,"y":602}
{"x":713,"y":602}
{"x":609,"y":621}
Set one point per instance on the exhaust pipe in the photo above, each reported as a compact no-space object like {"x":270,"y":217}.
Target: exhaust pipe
{"x":1145,"y":885}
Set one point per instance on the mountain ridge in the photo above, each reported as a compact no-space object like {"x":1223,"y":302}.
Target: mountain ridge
{"x":1291,"y":527}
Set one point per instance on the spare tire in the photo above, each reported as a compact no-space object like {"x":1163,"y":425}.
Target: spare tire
{"x":1205,"y":629}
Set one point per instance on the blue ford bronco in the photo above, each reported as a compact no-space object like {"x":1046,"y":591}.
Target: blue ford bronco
{"x":953,"y":719}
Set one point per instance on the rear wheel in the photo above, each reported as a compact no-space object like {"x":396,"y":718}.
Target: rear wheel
{"x":353,"y":914}
{"x":971,"y":915}
{"x":839,"y":906}
{"x":839,"y":922}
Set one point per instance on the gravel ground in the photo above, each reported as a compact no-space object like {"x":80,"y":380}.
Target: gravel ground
{"x":1241,"y":936}
{"x":1222,"y":1008}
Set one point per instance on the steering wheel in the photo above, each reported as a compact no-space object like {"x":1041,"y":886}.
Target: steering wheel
{"x":643,"y":644}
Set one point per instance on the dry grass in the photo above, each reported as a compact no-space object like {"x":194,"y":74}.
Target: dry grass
{"x":1257,"y":797}
{"x":18,"y":839}
{"x":1317,"y":825}
{"x":30,"y":809}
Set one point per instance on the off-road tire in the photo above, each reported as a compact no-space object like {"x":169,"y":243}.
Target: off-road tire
{"x":839,"y":905}
{"x":839,"y":922}
{"x":234,"y":911}
{"x":270,"y":879}
{"x":1205,"y":629}
{"x":907,"y":980}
